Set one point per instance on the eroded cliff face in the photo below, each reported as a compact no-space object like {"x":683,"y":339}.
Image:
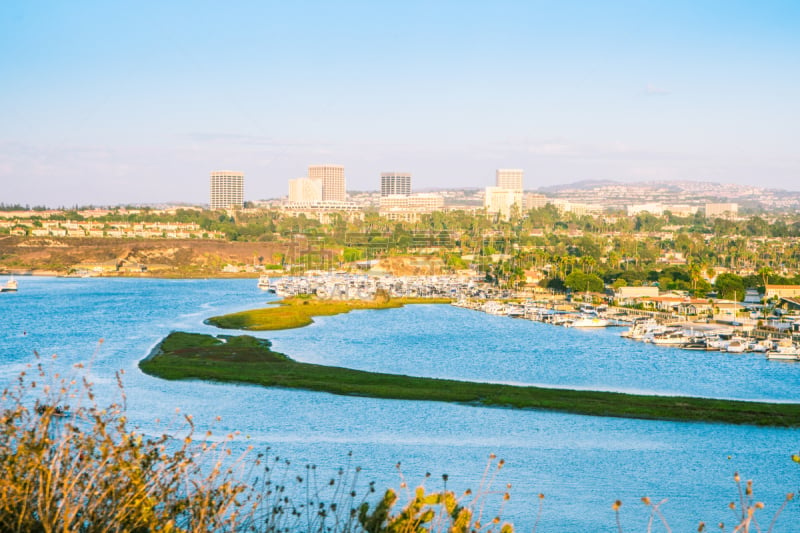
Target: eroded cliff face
{"x":123,"y":256}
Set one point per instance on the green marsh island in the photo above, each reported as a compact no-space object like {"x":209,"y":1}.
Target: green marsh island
{"x":299,"y":311}
{"x":246,"y":359}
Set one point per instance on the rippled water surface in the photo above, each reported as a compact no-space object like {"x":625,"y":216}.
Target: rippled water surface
{"x":581,"y":464}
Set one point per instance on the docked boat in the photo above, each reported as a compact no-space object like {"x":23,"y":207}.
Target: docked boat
{"x":784,"y":350}
{"x":264,"y":283}
{"x":515,"y":311}
{"x":721,"y":341}
{"x":10,"y":286}
{"x":642,"y":328}
{"x":699,"y":342}
{"x":588,"y":321}
{"x":671,"y":337}
{"x":762,"y":346}
{"x":737,"y":345}
{"x":494,"y":308}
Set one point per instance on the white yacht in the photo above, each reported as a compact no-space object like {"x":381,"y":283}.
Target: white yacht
{"x":737,"y":345}
{"x":784,"y":350}
{"x":494,"y":308}
{"x":264,"y":283}
{"x":10,"y":286}
{"x":671,"y":337}
{"x":640,"y":329}
{"x":589,"y":321}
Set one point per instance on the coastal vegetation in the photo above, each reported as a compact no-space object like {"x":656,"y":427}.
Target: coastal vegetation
{"x":546,"y":247}
{"x":68,"y":464}
{"x":246,"y":359}
{"x":299,"y":311}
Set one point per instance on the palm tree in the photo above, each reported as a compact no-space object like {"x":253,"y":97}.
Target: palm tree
{"x":695,"y":272}
{"x":589,"y":263}
{"x":765,"y":272}
{"x":710,"y":271}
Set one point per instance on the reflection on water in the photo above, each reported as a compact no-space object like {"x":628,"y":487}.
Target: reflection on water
{"x":582,"y":464}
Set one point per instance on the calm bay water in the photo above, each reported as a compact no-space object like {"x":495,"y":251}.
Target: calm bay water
{"x":581,"y":464}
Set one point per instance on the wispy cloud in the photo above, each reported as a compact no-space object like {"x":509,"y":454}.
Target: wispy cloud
{"x":562,"y":149}
{"x":239,"y":139}
{"x":552,"y":148}
{"x":652,"y":89}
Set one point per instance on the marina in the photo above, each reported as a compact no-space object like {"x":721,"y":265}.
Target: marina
{"x":659,"y":329}
{"x":346,"y":286}
{"x":672,"y":333}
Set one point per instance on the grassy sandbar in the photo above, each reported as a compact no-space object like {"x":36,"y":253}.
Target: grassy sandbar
{"x":297,"y":312}
{"x":245,"y":359}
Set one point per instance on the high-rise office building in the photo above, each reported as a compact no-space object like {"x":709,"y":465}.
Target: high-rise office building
{"x":509,"y":178}
{"x":332,"y":179}
{"x":395,"y":183}
{"x":305,"y":190}
{"x":227,"y":190}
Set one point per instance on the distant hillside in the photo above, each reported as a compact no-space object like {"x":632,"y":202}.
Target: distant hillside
{"x":618,"y":194}
{"x":580,"y":185}
{"x":683,"y":185}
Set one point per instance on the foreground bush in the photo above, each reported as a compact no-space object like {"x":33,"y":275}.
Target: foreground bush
{"x":68,"y":465}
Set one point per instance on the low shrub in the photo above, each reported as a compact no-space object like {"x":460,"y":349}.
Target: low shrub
{"x":68,"y":465}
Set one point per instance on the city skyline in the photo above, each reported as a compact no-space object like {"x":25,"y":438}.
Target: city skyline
{"x":119,"y":103}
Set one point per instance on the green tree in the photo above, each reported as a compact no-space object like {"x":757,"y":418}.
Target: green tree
{"x":619,"y":282}
{"x":580,"y":281}
{"x":352,"y":254}
{"x":765,"y":273}
{"x":730,"y":287}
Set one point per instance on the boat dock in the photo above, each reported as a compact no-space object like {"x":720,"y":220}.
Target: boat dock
{"x":659,"y":329}
{"x":655,"y":327}
{"x":342,"y":286}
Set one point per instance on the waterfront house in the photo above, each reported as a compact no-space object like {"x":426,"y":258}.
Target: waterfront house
{"x":694,"y":306}
{"x":729,"y":311}
{"x":781,"y":291}
{"x":679,"y":304}
{"x":634,"y":295}
{"x":789,"y":304}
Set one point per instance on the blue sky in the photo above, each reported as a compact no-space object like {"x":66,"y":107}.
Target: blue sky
{"x":115,"y":102}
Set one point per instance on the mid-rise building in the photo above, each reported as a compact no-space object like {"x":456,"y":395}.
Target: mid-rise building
{"x":325,"y":211}
{"x":227,"y":190}
{"x":395,"y":183}
{"x":305,"y":190}
{"x":722,"y":210}
{"x":681,"y":210}
{"x":565,"y":206}
{"x":502,"y":201}
{"x":509,"y":178}
{"x":535,"y":201}
{"x":332,"y":179}
{"x":652,"y":208}
{"x":409,"y":207}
